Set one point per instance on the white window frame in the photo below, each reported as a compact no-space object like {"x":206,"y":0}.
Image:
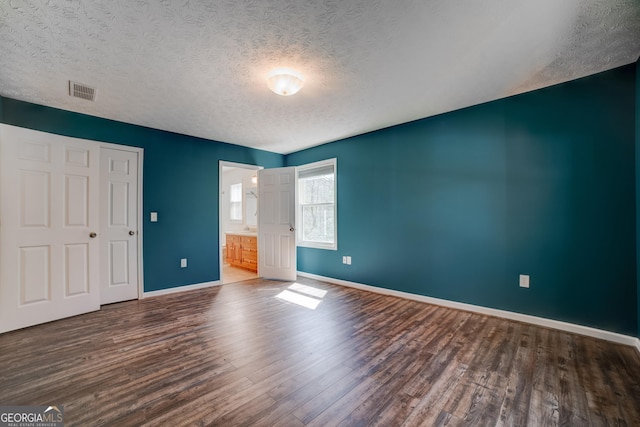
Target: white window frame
{"x":313,"y":244}
{"x":231,"y":203}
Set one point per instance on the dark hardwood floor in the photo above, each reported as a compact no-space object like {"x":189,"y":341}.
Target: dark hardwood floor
{"x":238,"y":355}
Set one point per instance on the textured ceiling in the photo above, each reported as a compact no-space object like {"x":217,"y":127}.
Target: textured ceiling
{"x":199,"y":67}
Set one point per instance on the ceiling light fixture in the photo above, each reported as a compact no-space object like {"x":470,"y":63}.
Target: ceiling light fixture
{"x":284,"y":81}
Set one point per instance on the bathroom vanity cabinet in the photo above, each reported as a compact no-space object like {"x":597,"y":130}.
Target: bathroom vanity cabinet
{"x":242,"y":251}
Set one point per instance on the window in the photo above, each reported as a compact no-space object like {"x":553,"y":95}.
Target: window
{"x":317,"y":205}
{"x":235,"y":202}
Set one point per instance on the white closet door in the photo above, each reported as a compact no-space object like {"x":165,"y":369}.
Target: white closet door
{"x":49,"y":253}
{"x":118,"y":225}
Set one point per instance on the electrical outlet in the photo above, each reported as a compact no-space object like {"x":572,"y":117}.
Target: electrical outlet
{"x":183,"y":263}
{"x":524,"y":280}
{"x":154,"y":216}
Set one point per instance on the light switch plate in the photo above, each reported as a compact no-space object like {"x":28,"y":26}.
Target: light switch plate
{"x":154,"y":216}
{"x":524,"y":280}
{"x":183,"y":263}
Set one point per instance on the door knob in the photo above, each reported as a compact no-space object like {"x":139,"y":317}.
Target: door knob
{"x":92,"y":235}
{"x":131,"y":232}
{"x":291,"y":228}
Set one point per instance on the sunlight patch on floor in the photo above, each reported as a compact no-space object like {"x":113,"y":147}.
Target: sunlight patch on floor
{"x":309,"y":290}
{"x":299,"y":294}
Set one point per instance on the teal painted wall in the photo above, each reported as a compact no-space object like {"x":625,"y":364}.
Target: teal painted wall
{"x":180,"y":183}
{"x":458,"y":205}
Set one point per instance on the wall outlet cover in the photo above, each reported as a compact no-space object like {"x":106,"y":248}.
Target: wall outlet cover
{"x":524,"y":280}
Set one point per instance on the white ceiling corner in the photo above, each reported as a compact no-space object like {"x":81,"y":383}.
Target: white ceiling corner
{"x":199,"y":67}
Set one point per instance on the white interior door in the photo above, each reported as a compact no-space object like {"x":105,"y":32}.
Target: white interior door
{"x":118,"y":225}
{"x":276,"y":223}
{"x":49,"y":263}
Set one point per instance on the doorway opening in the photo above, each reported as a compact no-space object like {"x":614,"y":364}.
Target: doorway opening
{"x":238,"y":222}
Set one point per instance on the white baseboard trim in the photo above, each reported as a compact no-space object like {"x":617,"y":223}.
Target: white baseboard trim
{"x":525,"y":318}
{"x":180,"y":289}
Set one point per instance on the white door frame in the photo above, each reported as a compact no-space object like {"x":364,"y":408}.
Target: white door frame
{"x":139,"y":236}
{"x":221,"y":164}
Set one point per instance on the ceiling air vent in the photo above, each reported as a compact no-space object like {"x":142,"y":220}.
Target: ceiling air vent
{"x":79,"y":90}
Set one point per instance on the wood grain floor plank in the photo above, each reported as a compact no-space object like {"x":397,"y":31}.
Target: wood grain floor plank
{"x":379,"y":374}
{"x":321,"y":367}
{"x":515,"y":406}
{"x":328,"y":397}
{"x":395,"y":411}
{"x":294,"y":400}
{"x":573,"y":406}
{"x":376,"y":399}
{"x":477,"y":398}
{"x":543,"y":410}
{"x":428,"y":409}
